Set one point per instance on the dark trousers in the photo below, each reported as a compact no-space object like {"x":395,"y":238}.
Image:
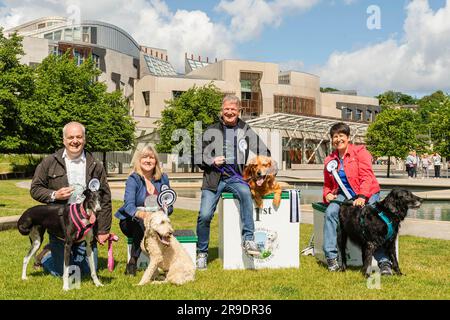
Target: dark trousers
{"x":412,"y":171}
{"x":437,"y":171}
{"x":133,"y":229}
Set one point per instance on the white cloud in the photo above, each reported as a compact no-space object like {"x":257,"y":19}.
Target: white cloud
{"x":416,"y":63}
{"x":291,"y":65}
{"x":249,"y":17}
{"x":152,"y":23}
{"x":149,"y":22}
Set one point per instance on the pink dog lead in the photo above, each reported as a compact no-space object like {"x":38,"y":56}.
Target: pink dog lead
{"x":112,"y":237}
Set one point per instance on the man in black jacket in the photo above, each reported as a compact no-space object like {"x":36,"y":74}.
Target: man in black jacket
{"x":61,"y":178}
{"x":225,"y":150}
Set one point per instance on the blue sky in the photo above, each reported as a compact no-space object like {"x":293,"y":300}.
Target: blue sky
{"x":410,"y":53}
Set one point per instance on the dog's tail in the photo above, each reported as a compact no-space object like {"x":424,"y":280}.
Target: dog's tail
{"x":25,"y":224}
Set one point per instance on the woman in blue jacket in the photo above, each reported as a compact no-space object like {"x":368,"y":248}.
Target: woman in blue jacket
{"x":145,"y":179}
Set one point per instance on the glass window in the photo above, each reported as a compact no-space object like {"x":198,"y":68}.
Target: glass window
{"x":68,"y":35}
{"x":78,"y":56}
{"x":41,"y":25}
{"x":176,"y":94}
{"x":346,"y":113}
{"x":246,"y":95}
{"x":86,"y":35}
{"x":96,"y":59}
{"x":368,"y":115}
{"x":358,"y":115}
{"x":48,"y":36}
{"x":146,"y":95}
{"x":76,"y":34}
{"x":246,"y":86}
{"x":57,"y":35}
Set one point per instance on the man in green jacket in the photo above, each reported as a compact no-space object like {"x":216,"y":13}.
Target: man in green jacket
{"x":61,"y":178}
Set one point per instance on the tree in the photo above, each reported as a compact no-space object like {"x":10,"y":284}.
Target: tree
{"x":430,"y":111}
{"x":394,"y":98}
{"x":393,"y":134}
{"x":197,"y":104}
{"x":67,"y":92}
{"x":16,"y":85}
{"x":328,"y":89}
{"x":439,"y":126}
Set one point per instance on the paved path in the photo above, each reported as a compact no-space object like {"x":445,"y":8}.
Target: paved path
{"x":414,"y":227}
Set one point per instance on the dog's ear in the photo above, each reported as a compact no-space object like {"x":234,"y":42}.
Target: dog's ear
{"x":87,"y":192}
{"x":248,"y":170}
{"x":147,"y":221}
{"x":273,"y":167}
{"x":395,"y":204}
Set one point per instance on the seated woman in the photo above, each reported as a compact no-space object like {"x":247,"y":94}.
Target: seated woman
{"x":145,"y":179}
{"x":357,"y":176}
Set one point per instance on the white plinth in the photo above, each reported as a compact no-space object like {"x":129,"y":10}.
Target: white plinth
{"x":353,"y":251}
{"x":277,"y":237}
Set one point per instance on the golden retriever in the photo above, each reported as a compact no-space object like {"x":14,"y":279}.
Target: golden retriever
{"x":260,"y":174}
{"x":165,"y":252}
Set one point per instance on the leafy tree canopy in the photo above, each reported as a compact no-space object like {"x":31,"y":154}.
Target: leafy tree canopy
{"x":16,"y":85}
{"x":197,"y":104}
{"x":394,"y":98}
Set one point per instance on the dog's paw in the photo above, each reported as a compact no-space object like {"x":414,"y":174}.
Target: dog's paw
{"x":276,"y":202}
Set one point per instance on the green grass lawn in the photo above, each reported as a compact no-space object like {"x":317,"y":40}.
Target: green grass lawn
{"x":14,"y":200}
{"x":425,"y":262}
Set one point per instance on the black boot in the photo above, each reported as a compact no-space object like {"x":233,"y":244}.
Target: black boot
{"x":131,"y":267}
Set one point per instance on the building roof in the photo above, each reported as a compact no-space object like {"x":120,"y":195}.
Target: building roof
{"x":158,"y":67}
{"x":308,"y":127}
{"x":195,"y":64}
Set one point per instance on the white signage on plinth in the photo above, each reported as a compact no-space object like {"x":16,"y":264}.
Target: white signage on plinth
{"x":276,"y":236}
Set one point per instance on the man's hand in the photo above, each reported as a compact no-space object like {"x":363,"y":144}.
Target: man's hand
{"x":102,"y":238}
{"x":330,"y":197}
{"x":63,"y":193}
{"x":218,"y":161}
{"x":360,"y":202}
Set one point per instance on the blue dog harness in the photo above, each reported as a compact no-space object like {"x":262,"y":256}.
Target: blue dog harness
{"x":386,"y":220}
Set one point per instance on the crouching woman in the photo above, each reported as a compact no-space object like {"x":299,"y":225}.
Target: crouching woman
{"x":146,"y":179}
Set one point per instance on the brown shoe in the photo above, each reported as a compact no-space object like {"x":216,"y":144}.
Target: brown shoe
{"x":38,"y":259}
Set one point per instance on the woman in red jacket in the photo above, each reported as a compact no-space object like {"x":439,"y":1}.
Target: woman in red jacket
{"x":353,"y":167}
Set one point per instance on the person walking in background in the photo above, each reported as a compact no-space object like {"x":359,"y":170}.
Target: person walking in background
{"x":437,"y":161}
{"x":411,"y":164}
{"x":426,"y":162}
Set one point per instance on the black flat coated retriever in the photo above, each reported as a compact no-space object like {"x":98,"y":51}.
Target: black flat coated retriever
{"x":365,"y":227}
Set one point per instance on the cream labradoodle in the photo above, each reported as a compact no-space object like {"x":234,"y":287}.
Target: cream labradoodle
{"x":165,"y":252}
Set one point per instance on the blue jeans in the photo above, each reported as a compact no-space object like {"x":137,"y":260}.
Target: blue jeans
{"x":330,"y":230}
{"x":54,"y":262}
{"x":209,"y":203}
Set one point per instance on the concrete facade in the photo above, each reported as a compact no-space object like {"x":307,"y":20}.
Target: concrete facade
{"x":225,"y":75}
